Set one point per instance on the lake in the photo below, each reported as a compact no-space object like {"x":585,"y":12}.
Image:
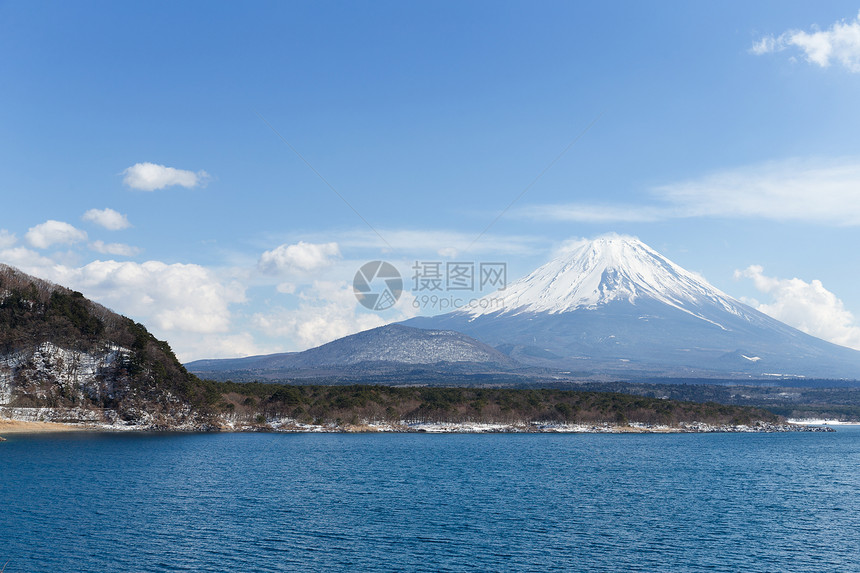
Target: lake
{"x":417,"y":502}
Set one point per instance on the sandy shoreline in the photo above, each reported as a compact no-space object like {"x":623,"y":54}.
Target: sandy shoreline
{"x":16,"y":427}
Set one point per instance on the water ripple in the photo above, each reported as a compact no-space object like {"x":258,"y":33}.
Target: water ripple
{"x":262,"y":502}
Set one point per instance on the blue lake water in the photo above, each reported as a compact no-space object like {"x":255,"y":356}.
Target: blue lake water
{"x":406,"y":502}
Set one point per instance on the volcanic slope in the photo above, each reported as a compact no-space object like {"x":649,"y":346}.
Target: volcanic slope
{"x":615,"y":306}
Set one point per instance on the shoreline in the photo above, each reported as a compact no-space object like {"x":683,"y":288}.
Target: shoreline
{"x":10,"y":426}
{"x":820,"y":422}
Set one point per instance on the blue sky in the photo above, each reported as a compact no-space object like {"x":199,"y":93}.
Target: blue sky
{"x":144,"y":157}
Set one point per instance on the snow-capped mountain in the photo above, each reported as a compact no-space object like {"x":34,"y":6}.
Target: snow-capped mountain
{"x":614,"y":305}
{"x":610,"y":268}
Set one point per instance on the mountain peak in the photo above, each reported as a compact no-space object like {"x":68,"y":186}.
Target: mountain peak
{"x":614,"y":306}
{"x":603,"y":270}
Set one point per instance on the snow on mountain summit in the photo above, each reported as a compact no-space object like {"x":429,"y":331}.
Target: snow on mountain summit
{"x":609,"y":268}
{"x":614,"y":306}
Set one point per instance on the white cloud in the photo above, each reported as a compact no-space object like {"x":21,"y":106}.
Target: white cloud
{"x":328,"y":310}
{"x":27,"y":260}
{"x":7,"y":239}
{"x":107,"y":218}
{"x":839,"y":43}
{"x":815,"y":191}
{"x":585,"y":213}
{"x":193,"y":346}
{"x":431,"y":243}
{"x":176,"y":297}
{"x":790,"y":190}
{"x":569,"y":245}
{"x":53,"y":232}
{"x":766,"y":45}
{"x":151,"y":176}
{"x":303,"y":257}
{"x":185,"y":304}
{"x":118,"y":249}
{"x":809,"y":307}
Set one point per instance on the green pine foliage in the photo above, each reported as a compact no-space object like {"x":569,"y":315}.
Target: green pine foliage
{"x":330,"y":404}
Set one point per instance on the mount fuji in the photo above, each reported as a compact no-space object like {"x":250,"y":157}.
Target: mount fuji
{"x":615,"y":306}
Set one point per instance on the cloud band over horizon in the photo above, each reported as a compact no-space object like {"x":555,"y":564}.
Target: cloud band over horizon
{"x":813,"y":191}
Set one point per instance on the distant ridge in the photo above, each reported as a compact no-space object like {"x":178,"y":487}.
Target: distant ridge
{"x":387,"y":348}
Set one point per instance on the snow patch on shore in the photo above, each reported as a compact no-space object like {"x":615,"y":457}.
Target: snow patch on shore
{"x":109,"y":420}
{"x":821,"y":422}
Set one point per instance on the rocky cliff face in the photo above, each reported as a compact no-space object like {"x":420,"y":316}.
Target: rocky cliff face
{"x":59,"y":350}
{"x":47,"y":368}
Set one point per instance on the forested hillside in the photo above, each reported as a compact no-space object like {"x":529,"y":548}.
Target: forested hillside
{"x":58,"y":349}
